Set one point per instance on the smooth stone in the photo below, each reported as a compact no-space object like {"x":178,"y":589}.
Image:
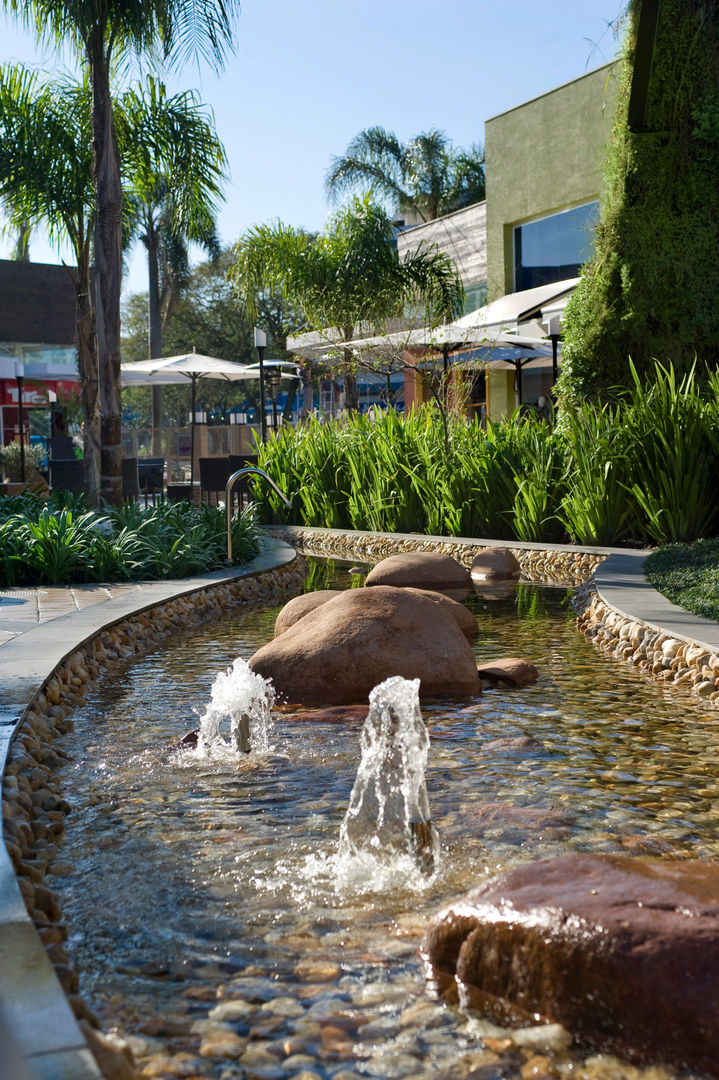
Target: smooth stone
{"x":622,"y":952}
{"x":494,"y":563}
{"x":510,"y":670}
{"x":299,"y":606}
{"x":317,"y":971}
{"x":421,"y":570}
{"x":222,"y":1044}
{"x":340,"y":651}
{"x":230,"y":1011}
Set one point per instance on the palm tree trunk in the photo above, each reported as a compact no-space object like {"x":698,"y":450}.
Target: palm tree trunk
{"x":108,"y":268}
{"x":151,"y":242}
{"x":87,"y":364}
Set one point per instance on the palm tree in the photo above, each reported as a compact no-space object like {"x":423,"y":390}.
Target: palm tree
{"x":174,"y":165}
{"x":349,"y":276}
{"x":46,"y":177}
{"x":425,"y":176}
{"x":104,"y":32}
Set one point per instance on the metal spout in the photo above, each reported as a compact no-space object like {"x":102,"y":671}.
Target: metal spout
{"x":228,"y":499}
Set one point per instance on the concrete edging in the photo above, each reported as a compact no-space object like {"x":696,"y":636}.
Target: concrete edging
{"x":37,"y":670}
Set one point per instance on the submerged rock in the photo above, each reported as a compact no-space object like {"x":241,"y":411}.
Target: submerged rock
{"x":422,"y":570}
{"x":622,"y":952}
{"x":337,"y":653}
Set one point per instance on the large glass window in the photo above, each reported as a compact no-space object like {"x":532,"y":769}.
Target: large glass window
{"x":553,"y":248}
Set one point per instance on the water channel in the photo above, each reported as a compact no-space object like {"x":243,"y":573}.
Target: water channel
{"x":211,"y":922}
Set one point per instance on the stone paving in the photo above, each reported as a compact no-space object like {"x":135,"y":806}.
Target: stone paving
{"x":24,"y":609}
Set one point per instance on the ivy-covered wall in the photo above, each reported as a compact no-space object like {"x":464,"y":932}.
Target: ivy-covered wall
{"x":652,"y":289}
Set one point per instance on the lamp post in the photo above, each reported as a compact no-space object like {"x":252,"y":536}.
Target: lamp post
{"x":260,"y":343}
{"x":19,"y":377}
{"x":554,"y":332}
{"x":273,"y":385}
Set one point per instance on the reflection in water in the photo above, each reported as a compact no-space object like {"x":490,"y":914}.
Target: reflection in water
{"x":211,"y":884}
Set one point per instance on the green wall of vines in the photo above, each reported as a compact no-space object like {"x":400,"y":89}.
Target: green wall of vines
{"x":652,"y":289}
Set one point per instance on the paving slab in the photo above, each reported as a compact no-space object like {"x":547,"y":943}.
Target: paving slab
{"x":621,"y":583}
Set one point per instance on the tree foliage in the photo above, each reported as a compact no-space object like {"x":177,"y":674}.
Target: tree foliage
{"x":426,"y":175}
{"x":651,"y":291}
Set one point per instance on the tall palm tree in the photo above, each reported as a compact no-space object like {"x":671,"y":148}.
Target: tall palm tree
{"x":46,"y":177}
{"x":350,"y":275}
{"x":104,"y":32}
{"x":173,"y":166}
{"x":425,"y":175}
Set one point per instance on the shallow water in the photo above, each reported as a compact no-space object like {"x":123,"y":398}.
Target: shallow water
{"x":204,"y":880}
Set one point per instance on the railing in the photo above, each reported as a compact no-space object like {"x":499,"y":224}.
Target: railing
{"x":228,"y":499}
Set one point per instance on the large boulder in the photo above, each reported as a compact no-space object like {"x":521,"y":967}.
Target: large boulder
{"x":466,"y":621}
{"x":299,"y":606}
{"x":422,"y":570}
{"x":622,"y":952}
{"x":494,"y":564}
{"x":337,"y":653}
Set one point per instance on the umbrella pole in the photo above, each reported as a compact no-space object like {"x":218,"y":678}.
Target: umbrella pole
{"x":193,"y":379}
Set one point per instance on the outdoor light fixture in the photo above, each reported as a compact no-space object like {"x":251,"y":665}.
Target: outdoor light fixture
{"x":273,"y":385}
{"x":554,"y":332}
{"x":260,"y":343}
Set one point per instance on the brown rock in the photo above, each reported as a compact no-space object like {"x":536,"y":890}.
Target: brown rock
{"x":622,"y":952}
{"x":422,"y":570}
{"x":510,"y":670}
{"x":337,"y":653}
{"x":466,"y":621}
{"x":113,"y":1061}
{"x":494,"y":564}
{"x":299,"y":606}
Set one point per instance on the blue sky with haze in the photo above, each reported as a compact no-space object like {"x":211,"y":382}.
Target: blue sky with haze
{"x":309,"y":74}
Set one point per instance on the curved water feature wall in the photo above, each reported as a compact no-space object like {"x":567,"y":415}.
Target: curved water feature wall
{"x":61,"y":694}
{"x":243,"y":947}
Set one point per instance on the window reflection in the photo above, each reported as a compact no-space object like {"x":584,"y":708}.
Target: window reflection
{"x":555,"y":247}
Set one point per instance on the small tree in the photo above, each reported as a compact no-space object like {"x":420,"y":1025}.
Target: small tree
{"x":651,"y":292}
{"x":347,"y":278}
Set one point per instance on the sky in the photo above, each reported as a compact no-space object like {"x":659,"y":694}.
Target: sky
{"x":308,"y":75}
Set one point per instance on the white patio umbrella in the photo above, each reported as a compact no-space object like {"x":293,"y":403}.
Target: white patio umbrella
{"x":192,"y":366}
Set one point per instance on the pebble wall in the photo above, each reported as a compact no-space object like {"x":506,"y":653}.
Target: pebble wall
{"x":677,"y":662}
{"x":33,"y":811}
{"x":560,"y":565}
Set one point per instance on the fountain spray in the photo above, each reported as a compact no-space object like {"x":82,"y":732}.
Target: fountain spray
{"x":388,"y":813}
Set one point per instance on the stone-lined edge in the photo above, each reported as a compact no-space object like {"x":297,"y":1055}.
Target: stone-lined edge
{"x":42,"y":673}
{"x":627,"y":619}
{"x":617,"y":608}
{"x":560,"y":564}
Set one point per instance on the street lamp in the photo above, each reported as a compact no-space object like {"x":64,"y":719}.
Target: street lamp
{"x":273,"y":385}
{"x":260,"y":343}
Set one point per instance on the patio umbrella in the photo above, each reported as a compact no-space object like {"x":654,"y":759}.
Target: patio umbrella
{"x":192,"y":366}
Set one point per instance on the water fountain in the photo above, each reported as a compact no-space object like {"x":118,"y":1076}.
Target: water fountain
{"x":246,"y":699}
{"x":388,"y":814}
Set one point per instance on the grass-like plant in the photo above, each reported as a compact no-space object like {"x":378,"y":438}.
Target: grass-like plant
{"x":54,"y":543}
{"x":643,"y":470}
